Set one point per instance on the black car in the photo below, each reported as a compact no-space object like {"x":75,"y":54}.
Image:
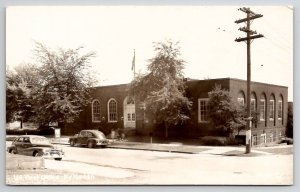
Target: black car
{"x":89,"y":138}
{"x":34,"y":145}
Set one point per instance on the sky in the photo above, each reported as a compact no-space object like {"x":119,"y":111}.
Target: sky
{"x":206,"y":36}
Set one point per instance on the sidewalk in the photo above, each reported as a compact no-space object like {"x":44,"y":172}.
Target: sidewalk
{"x":189,"y":147}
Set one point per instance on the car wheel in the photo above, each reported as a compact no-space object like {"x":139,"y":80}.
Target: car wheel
{"x":57,"y":159}
{"x":91,"y":144}
{"x":13,"y":151}
{"x":35,"y":154}
{"x":72,"y":143}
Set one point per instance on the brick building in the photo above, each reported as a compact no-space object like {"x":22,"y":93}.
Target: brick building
{"x":111,"y":109}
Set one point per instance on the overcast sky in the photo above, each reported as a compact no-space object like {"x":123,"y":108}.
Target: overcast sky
{"x":206,"y":36}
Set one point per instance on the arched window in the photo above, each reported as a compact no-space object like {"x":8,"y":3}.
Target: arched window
{"x":96,"y":111}
{"x":280,"y":109}
{"x":112,"y":110}
{"x":253,"y":103}
{"x":241,"y":98}
{"x":272,"y":108}
{"x":253,"y":109}
{"x":262,"y":107}
{"x":130,"y":101}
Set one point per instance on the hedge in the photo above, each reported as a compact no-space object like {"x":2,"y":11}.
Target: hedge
{"x":29,"y":132}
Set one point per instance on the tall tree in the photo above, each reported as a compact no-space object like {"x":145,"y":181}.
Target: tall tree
{"x":53,"y":89}
{"x":226,"y":115}
{"x":289,"y":126}
{"x":19,"y":89}
{"x":64,"y":83}
{"x":163,"y":88}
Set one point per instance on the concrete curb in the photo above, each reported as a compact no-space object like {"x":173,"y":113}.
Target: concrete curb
{"x":146,"y":149}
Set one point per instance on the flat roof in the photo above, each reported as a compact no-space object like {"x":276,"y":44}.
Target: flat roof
{"x":235,"y":79}
{"x":191,"y":80}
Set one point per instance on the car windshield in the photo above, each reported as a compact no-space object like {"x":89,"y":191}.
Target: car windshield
{"x":99,"y":134}
{"x":40,"y":140}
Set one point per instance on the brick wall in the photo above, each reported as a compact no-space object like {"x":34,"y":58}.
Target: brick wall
{"x":195,"y":89}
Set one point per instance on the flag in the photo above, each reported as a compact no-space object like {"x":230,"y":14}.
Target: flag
{"x":133,"y":62}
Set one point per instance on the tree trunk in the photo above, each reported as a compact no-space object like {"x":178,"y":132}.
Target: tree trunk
{"x":21,"y":123}
{"x":166,"y":130}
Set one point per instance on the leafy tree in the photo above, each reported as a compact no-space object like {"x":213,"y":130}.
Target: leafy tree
{"x":226,"y":115}
{"x":19,"y":85}
{"x":289,"y":126}
{"x":53,"y":89}
{"x":64,"y":83}
{"x":163,"y":88}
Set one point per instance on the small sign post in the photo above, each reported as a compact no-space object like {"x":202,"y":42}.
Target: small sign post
{"x":57,"y":133}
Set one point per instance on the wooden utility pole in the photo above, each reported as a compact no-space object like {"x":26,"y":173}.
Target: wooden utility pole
{"x":249,"y":38}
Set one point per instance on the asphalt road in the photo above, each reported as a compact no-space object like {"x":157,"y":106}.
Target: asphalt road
{"x":148,"y":167}
{"x":122,"y":166}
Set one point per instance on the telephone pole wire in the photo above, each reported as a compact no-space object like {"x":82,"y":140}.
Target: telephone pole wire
{"x":251,"y":35}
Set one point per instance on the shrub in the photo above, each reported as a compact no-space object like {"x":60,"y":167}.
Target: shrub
{"x":288,"y":141}
{"x":45,"y":131}
{"x":218,"y":141}
{"x":232,"y":141}
{"x":213,"y":141}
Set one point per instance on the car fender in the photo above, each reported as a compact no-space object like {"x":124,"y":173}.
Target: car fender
{"x":11,"y":148}
{"x":93,"y":140}
{"x":38,"y":149}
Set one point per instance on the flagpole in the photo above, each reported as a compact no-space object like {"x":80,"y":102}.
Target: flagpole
{"x":133,"y":63}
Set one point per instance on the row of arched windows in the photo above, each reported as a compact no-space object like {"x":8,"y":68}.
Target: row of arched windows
{"x":111,"y":107}
{"x":260,"y":106}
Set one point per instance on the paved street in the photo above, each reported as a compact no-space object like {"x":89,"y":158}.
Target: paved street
{"x":125,"y":166}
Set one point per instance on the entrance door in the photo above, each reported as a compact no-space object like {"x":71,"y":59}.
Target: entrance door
{"x":129,"y":113}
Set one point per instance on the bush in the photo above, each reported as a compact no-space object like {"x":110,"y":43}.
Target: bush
{"x":22,"y":132}
{"x":232,"y":141}
{"x":218,"y":141}
{"x":288,"y":141}
{"x":213,"y":141}
{"x":44,"y":131}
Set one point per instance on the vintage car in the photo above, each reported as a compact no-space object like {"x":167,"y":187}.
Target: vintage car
{"x":34,"y":145}
{"x":89,"y":138}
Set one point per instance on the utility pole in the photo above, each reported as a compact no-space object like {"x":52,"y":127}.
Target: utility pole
{"x":249,"y":38}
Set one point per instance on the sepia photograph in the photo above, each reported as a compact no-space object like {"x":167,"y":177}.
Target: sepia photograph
{"x":149,"y":95}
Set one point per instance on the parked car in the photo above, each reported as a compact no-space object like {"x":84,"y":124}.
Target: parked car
{"x":89,"y":138}
{"x":34,"y":145}
{"x":286,"y":140}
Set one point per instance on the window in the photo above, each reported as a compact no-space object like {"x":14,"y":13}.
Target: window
{"x":280,"y":134}
{"x":252,"y":109}
{"x":241,"y":98}
{"x":253,"y":105}
{"x":272,"y":106}
{"x":203,"y":110}
{"x":254,"y":139}
{"x":280,"y":109}
{"x":130,"y":101}
{"x":96,"y":116}
{"x":82,"y":134}
{"x":20,"y":139}
{"x":128,"y":117}
{"x":262,"y":109}
{"x":26,"y":140}
{"x":112,"y":110}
